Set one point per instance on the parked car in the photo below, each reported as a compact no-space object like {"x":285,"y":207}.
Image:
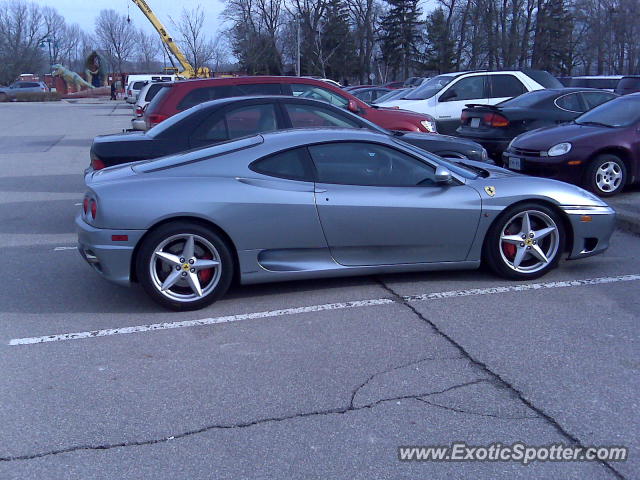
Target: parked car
{"x":354,"y":87}
{"x":444,"y":96}
{"x":371,"y":94}
{"x":628,"y":84}
{"x":230,"y":118}
{"x":599,"y":150}
{"x":144,"y":98}
{"x":392,"y":94}
{"x":315,"y":203}
{"x":16,"y":88}
{"x":393,"y":85}
{"x":181,"y":95}
{"x":136,"y":82}
{"x":606,"y":82}
{"x":413,"y":82}
{"x":494,"y":126}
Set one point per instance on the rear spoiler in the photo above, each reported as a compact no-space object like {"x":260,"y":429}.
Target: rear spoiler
{"x":482,"y":105}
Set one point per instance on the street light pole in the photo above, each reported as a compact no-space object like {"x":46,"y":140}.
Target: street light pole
{"x":298,"y":47}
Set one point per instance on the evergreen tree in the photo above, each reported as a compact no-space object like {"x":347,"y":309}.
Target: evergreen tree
{"x":337,"y":41}
{"x":439,"y":55}
{"x":400,"y":35}
{"x":552,"y":41}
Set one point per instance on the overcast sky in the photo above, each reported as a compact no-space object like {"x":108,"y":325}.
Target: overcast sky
{"x":84,"y":12}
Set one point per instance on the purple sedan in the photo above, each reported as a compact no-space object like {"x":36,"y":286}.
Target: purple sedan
{"x":599,"y":150}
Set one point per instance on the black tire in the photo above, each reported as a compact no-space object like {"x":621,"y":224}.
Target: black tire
{"x":151,"y":271}
{"x":495,"y":252}
{"x":598,"y":183}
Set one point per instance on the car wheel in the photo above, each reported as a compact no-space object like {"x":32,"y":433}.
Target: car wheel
{"x":3,"y":97}
{"x":184,"y":266}
{"x":525,"y":242}
{"x":606,"y":175}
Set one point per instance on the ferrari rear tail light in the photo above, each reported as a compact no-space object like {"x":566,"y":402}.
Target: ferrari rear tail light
{"x":93,"y":205}
{"x":495,"y":120}
{"x":85,"y":205}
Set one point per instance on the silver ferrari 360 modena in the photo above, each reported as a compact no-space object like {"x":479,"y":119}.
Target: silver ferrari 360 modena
{"x":313,"y":203}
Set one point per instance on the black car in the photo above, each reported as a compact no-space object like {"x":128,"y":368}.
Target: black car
{"x":494,"y":126}
{"x":228,"y":118}
{"x":370,"y":94}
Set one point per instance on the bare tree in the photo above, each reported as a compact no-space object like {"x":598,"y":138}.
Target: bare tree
{"x":197,"y":46}
{"x":116,"y":37}
{"x":22,"y":31}
{"x":149,"y":46}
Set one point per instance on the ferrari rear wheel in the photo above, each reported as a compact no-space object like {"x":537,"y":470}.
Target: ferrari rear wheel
{"x":525,"y":242}
{"x":184,"y":266}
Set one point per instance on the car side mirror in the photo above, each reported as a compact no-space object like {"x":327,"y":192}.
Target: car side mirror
{"x":353,"y":106}
{"x":443,"y":175}
{"x":448,"y":95}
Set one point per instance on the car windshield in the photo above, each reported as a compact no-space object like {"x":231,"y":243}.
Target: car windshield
{"x":620,"y":112}
{"x":391,"y":95}
{"x":429,"y":88}
{"x":527,"y":99}
{"x":169,"y":122}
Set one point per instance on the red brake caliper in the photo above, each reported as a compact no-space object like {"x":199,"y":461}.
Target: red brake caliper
{"x":205,"y":275}
{"x":509,"y":249}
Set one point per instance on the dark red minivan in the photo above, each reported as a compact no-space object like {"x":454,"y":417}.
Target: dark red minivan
{"x":178,"y":96}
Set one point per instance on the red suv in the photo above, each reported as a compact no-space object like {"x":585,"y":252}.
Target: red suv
{"x":178,"y":96}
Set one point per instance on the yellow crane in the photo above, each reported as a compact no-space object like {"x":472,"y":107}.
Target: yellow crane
{"x":188,"y":70}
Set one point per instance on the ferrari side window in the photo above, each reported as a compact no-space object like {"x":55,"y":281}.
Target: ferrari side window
{"x":369,"y":164}
{"x":291,"y":164}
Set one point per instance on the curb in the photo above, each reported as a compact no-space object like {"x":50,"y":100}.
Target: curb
{"x":627,"y":221}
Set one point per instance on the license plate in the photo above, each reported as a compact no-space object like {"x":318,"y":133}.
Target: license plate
{"x":475,"y":122}
{"x":515,"y":163}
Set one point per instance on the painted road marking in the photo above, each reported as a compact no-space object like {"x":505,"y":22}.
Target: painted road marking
{"x":61,"y":249}
{"x":320,"y":308}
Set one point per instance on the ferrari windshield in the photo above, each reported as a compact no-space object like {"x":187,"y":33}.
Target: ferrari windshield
{"x":621,"y":112}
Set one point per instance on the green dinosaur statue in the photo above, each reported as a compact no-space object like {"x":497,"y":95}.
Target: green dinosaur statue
{"x":72,"y":78}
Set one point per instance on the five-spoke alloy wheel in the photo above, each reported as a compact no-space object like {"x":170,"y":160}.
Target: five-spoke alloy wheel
{"x":184,"y":266}
{"x":525,"y":242}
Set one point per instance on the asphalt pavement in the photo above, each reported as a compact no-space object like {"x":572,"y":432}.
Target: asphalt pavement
{"x":308,"y":380}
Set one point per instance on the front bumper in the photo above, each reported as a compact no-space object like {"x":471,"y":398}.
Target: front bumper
{"x":592,"y":228}
{"x":111,"y":259}
{"x":556,"y":168}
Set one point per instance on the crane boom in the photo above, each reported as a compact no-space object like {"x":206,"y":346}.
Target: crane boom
{"x":188,"y":70}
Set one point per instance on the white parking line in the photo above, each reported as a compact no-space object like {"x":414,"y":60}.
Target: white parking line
{"x":320,"y":308}
{"x":61,"y":249}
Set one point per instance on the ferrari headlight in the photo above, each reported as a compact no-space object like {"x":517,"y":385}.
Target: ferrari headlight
{"x":429,"y":125}
{"x":559,"y":149}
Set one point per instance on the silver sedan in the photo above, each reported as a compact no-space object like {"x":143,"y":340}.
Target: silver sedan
{"x":326,"y":202}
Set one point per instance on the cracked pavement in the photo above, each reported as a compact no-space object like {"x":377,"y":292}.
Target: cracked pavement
{"x":316,"y":395}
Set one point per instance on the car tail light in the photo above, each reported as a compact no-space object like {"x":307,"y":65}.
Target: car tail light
{"x":85,"y":205}
{"x":156,"y":118}
{"x":139,"y":111}
{"x":495,"y":120}
{"x":464,"y":117}
{"x":97,"y":164}
{"x":93,"y":206}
